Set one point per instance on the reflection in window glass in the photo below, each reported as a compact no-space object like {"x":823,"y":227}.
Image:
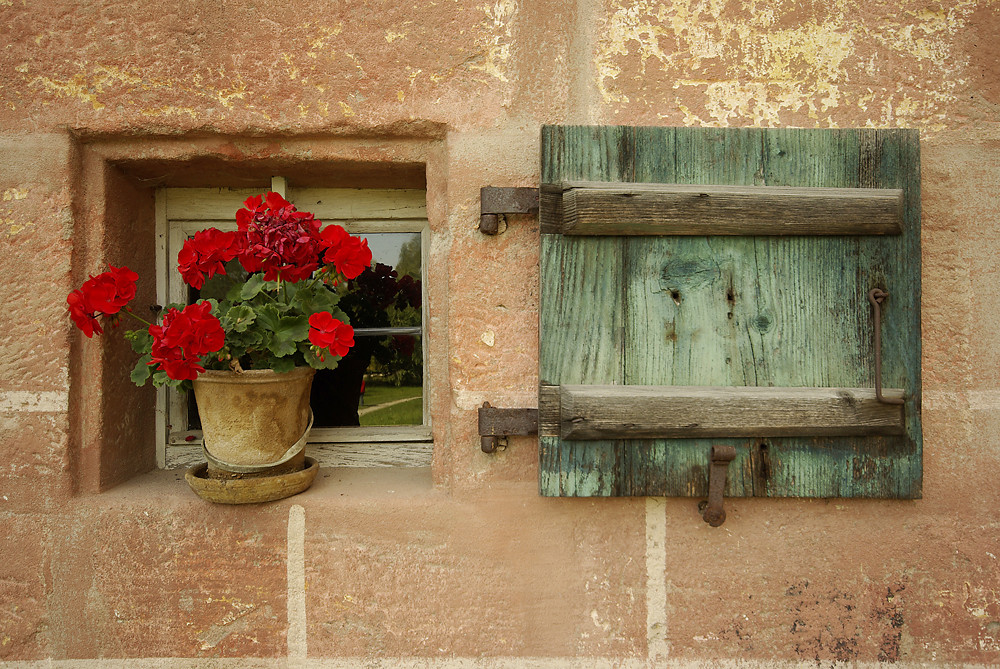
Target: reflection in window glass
{"x":380,"y":381}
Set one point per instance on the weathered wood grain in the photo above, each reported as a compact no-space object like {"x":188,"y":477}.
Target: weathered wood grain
{"x":654,"y":412}
{"x":595,"y":208}
{"x":884,"y":466}
{"x":584,"y":315}
{"x":210,"y":204}
{"x":361,"y":454}
{"x":681,"y":327}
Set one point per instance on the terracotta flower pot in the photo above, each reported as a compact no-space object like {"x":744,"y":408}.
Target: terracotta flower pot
{"x":252,"y":419}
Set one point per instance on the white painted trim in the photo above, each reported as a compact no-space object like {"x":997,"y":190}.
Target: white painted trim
{"x":327,"y":204}
{"x":160,"y":232}
{"x":349,"y":454}
{"x":425,"y":254}
{"x":337,"y":435}
{"x":280,"y":186}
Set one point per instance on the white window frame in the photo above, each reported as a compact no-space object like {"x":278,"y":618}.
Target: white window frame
{"x":180,"y":212}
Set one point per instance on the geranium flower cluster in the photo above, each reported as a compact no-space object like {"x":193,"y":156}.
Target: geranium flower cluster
{"x":263,"y":321}
{"x":102,"y":295}
{"x":183,"y":338}
{"x":327,"y":332}
{"x":275,"y":239}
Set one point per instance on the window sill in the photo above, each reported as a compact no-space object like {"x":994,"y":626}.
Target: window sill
{"x":167,"y":487}
{"x":377,"y":454}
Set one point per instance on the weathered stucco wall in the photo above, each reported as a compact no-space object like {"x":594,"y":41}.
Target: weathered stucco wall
{"x":466,"y":561}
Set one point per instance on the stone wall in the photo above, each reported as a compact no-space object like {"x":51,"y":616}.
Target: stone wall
{"x":465,"y":565}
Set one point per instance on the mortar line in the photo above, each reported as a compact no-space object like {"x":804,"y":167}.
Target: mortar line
{"x":656,"y":581}
{"x":584,"y":102}
{"x":296,"y":565}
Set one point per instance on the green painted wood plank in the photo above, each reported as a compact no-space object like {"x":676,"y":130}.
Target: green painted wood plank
{"x":581,"y":308}
{"x":876,"y":466}
{"x":679,"y":329}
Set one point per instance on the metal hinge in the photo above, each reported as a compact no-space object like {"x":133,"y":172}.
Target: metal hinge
{"x":497,"y":424}
{"x":495,"y":202}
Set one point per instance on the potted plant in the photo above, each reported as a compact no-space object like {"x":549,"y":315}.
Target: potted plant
{"x":250,"y":353}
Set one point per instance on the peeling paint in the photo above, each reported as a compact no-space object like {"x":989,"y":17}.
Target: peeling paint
{"x":321,"y":42}
{"x":496,"y":43}
{"x":237,"y":91}
{"x":14,"y":194}
{"x":75,"y":87}
{"x":14,"y":226}
{"x":96,"y":80}
{"x":764,"y":61}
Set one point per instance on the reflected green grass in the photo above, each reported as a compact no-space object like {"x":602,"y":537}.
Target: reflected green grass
{"x":407,"y":412}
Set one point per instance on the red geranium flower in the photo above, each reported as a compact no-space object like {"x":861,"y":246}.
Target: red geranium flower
{"x":283,"y":243}
{"x":206,"y":253}
{"x":350,"y":255}
{"x":330,"y":333}
{"x":183,"y":338}
{"x":83,"y":314}
{"x":353,"y":257}
{"x":104,"y":294}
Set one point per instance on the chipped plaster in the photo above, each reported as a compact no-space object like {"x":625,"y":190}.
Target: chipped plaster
{"x":755,"y":62}
{"x":495,"y":41}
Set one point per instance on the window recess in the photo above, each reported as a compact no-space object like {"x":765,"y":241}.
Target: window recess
{"x":371,"y":410}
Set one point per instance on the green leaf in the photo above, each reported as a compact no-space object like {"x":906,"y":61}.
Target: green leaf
{"x":290,"y":331}
{"x":268,"y":316}
{"x":253,"y":286}
{"x":235,"y":293}
{"x":314,"y":299}
{"x":238,"y":318}
{"x":142,"y":371}
{"x":329,"y":360}
{"x":160,"y":378}
{"x":292,"y":328}
{"x":140,"y":340}
{"x":282,"y":365}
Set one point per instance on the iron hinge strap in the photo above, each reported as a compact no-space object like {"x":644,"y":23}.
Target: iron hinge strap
{"x":495,"y":202}
{"x":496,"y":424}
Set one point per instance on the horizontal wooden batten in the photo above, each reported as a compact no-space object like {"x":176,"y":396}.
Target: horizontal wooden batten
{"x":581,"y":412}
{"x":593,"y":208}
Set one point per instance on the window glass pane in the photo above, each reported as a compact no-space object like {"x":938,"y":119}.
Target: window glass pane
{"x":380,"y":382}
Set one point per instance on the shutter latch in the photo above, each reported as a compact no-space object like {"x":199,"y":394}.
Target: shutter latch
{"x":495,"y":202}
{"x":875,"y":296}
{"x":497,"y":424}
{"x":712,"y":510}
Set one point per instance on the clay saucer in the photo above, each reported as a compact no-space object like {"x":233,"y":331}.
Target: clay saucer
{"x":250,"y":490}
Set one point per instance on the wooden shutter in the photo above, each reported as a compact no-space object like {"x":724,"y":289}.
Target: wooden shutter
{"x":674,"y":318}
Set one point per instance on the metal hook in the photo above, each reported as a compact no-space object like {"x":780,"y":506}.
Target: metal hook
{"x":719,"y":459}
{"x":876,"y":296}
